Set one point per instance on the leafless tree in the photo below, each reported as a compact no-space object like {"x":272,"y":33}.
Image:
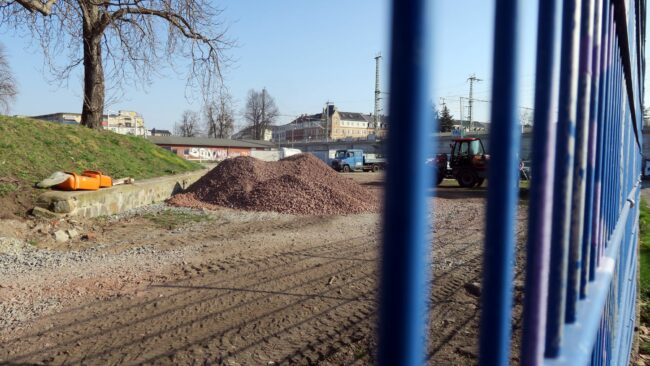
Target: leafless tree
{"x":188,"y":126}
{"x":8,"y":88}
{"x":220,"y":117}
{"x":261,"y":112}
{"x":526,"y":117}
{"x":122,"y":42}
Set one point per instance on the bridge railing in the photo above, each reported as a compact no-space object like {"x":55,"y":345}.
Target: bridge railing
{"x":581,"y":254}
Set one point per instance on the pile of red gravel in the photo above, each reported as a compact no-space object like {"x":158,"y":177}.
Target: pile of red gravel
{"x":299,"y":184}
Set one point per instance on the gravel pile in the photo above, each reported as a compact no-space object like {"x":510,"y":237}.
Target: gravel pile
{"x":300,"y":184}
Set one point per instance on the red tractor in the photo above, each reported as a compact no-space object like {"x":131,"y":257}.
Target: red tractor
{"x":467,"y":163}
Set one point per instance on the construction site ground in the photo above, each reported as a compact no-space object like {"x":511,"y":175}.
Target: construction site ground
{"x":164,"y":285}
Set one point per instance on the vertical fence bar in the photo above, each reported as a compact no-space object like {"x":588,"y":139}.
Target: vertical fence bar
{"x":602,"y":202}
{"x":592,"y":149}
{"x":502,"y":191}
{"x":580,"y":162}
{"x":602,"y":110}
{"x":541,"y":192}
{"x":563,"y":176}
{"x":404,"y":276}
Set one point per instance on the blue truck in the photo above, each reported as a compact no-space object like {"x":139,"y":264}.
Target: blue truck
{"x":355,"y":160}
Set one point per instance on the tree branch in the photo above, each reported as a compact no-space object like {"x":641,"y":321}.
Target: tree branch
{"x":36,"y":5}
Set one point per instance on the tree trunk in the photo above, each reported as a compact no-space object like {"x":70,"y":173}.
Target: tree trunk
{"x":93,"y":103}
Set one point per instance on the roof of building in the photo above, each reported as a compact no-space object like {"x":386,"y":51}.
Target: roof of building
{"x":208,"y":142}
{"x":155,"y":130}
{"x":352,"y":116}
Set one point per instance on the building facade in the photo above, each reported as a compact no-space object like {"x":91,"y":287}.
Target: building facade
{"x":248,"y":133}
{"x":62,"y":118}
{"x":209,"y":149}
{"x":122,"y":122}
{"x":126,"y":123}
{"x":331,"y":125}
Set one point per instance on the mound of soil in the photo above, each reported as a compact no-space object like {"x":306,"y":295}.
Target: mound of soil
{"x":299,"y":184}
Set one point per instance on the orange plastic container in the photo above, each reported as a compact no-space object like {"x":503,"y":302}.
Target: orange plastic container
{"x":79,"y":182}
{"x":104,"y":180}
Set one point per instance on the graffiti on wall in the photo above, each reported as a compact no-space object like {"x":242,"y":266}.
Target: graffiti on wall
{"x":213,"y":153}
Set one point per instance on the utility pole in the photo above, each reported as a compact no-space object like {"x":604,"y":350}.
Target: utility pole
{"x":471,"y":79}
{"x":262,"y":122}
{"x":327,"y":120}
{"x":460,"y":106}
{"x":377,"y":96}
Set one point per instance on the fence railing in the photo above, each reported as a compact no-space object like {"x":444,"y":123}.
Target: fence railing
{"x":580,"y":290}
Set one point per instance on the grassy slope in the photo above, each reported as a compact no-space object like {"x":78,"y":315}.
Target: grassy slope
{"x":644,"y":268}
{"x":31,"y":150}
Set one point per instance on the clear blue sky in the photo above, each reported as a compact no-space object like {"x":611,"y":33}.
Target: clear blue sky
{"x":305,"y":53}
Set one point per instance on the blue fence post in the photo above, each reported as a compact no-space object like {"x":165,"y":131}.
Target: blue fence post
{"x":580,"y":162}
{"x":571,"y":12}
{"x":404,"y":273}
{"x":503,"y":178}
{"x":541,"y":193}
{"x":592,"y":149}
{"x":602,"y":110}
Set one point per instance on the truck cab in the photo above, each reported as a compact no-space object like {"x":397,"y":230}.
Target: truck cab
{"x":348,"y":160}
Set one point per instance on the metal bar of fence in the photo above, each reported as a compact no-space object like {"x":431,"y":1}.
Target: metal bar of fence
{"x":404,"y":272}
{"x":503,"y":176}
{"x":580,"y":162}
{"x":541,"y":193}
{"x":563,"y":182}
{"x":592,"y":150}
{"x":584,"y":333}
{"x":598,"y":173}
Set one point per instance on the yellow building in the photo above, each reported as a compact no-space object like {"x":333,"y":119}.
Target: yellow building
{"x":126,"y":123}
{"x":331,"y":126}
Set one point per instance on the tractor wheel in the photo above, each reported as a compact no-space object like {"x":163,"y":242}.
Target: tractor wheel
{"x":346,"y":169}
{"x":375,"y":168}
{"x":466,"y":178}
{"x":479,"y":182}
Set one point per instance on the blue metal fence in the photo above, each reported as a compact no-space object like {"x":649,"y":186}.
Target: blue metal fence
{"x":581,"y":268}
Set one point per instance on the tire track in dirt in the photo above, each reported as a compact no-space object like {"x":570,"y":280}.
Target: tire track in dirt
{"x":274,"y":291}
{"x":185,"y":305}
{"x":252,"y":267}
{"x":209,"y":333}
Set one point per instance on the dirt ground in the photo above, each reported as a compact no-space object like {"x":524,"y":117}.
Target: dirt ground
{"x":171,"y":286}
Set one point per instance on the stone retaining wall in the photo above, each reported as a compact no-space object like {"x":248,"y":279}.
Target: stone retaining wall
{"x":109,"y":201}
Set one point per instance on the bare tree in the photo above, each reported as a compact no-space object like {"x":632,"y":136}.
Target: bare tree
{"x":122,"y":41}
{"x":260,"y":112}
{"x":220,"y":117}
{"x":8,"y":88}
{"x":188,"y":126}
{"x":526,"y":117}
